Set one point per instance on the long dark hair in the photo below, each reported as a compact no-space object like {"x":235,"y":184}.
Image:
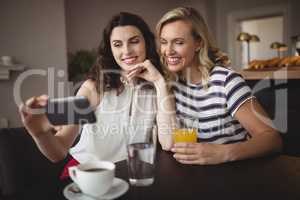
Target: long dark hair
{"x":105,"y":60}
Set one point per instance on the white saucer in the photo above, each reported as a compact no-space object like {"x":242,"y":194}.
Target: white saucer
{"x":119,"y":187}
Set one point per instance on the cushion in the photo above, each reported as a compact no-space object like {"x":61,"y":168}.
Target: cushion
{"x":22,"y":165}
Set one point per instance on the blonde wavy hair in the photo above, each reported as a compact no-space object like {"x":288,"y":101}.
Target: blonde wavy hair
{"x":209,"y":55}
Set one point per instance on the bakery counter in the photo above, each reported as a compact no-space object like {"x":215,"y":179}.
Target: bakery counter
{"x":291,"y":72}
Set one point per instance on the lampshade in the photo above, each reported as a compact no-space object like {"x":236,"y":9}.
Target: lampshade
{"x":254,"y":38}
{"x":283,"y":47}
{"x":243,"y":37}
{"x":275,"y":45}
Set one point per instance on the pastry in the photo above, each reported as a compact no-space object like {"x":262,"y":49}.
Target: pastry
{"x":274,"y":62}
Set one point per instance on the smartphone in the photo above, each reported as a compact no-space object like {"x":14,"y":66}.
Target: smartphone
{"x":70,"y":110}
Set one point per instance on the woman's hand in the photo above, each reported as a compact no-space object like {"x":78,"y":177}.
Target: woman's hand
{"x":145,"y":70}
{"x":199,"y":153}
{"x":33,"y":116}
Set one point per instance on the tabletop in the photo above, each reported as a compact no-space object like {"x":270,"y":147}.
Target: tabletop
{"x":272,"y":177}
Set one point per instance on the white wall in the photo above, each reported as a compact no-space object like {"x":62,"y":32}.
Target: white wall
{"x":86,"y":19}
{"x":225,"y":8}
{"x":33,"y":31}
{"x":268,"y":30}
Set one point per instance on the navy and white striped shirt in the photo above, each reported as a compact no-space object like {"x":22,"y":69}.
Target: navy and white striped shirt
{"x":211,"y":110}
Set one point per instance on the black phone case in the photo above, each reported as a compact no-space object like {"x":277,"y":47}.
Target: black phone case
{"x":70,"y":110}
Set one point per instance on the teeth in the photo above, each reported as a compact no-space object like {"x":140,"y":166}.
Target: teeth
{"x":129,"y":60}
{"x":173,"y":60}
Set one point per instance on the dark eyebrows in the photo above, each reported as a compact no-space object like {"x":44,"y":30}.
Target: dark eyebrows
{"x":131,"y":38}
{"x":134,"y":37}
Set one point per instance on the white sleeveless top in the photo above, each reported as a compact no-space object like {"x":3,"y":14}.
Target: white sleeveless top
{"x":117,"y":122}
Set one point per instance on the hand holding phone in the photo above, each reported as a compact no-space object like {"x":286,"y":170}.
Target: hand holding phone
{"x":70,"y":110}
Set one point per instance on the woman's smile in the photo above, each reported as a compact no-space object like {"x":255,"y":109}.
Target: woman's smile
{"x":130,"y":60}
{"x":174,"y":60}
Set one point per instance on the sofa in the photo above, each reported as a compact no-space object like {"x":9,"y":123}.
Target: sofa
{"x":278,"y":98}
{"x":24,"y":170}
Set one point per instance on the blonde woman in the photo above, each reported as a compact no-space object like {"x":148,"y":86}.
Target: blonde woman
{"x":226,"y":115}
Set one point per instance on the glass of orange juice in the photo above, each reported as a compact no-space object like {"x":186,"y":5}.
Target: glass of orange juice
{"x":185,"y":135}
{"x":183,"y":132}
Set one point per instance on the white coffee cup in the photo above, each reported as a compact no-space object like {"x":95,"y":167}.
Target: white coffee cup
{"x":6,"y":60}
{"x":93,"y":178}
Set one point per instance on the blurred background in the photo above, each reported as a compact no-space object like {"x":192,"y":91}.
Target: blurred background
{"x":63,"y":34}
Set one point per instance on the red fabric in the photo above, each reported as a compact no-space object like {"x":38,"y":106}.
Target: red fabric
{"x":65,"y":172}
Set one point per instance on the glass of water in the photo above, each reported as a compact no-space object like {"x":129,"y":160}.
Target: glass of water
{"x":141,"y":158}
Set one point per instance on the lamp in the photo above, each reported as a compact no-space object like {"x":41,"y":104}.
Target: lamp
{"x":246,"y":37}
{"x":243,"y":36}
{"x":254,"y":38}
{"x":280,"y":47}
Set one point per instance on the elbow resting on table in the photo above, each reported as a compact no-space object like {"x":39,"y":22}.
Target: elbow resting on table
{"x":166,"y":143}
{"x":165,"y":138}
{"x":275,"y":142}
{"x":166,"y":147}
{"x":278,"y":142}
{"x":255,"y":147}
